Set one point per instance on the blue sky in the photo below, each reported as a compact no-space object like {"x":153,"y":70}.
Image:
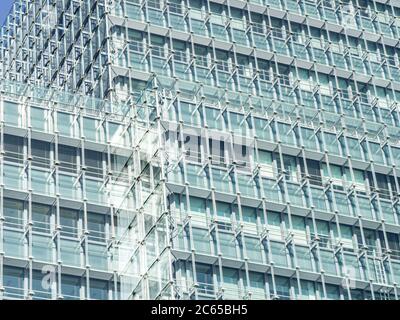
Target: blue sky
{"x":5,"y":6}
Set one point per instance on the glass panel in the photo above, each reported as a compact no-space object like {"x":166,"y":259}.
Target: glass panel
{"x":70,"y":287}
{"x":11,"y":113}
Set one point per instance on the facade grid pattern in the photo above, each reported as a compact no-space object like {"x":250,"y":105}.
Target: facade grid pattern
{"x":200,"y":149}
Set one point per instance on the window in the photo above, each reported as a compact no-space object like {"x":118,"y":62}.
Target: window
{"x":332,"y":292}
{"x":13,"y":282}
{"x":41,"y":215}
{"x":157,"y":43}
{"x":98,"y":289}
{"x":224,"y":210}
{"x":314,"y":171}
{"x":94,"y":163}
{"x":42,"y":284}
{"x":70,"y":287}
{"x":67,"y":158}
{"x":335,"y":175}
{"x":253,"y":249}
{"x":90,"y":128}
{"x":282,"y":287}
{"x":38,"y":118}
{"x":97,"y":226}
{"x":274,"y":218}
{"x":69,"y":222}
{"x":201,"y":240}
{"x":14,"y":148}
{"x":204,"y":277}
{"x":11,"y":113}
{"x":120,"y":163}
{"x":65,"y":123}
{"x":227,"y":244}
{"x":40,"y":151}
{"x":198,"y":205}
{"x":218,"y":152}
{"x":265,"y":162}
{"x":249,"y":214}
{"x":13,"y":211}
{"x":231,"y":282}
{"x":307,"y":290}
{"x":290,"y":168}
{"x":257,"y":285}
{"x":189,"y":113}
{"x":214,"y":119}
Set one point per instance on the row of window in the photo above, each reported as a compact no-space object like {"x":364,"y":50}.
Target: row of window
{"x":365,"y":18}
{"x":377,"y":66}
{"x":44,"y":285}
{"x":242,"y":284}
{"x":357,"y":146}
{"x":374,"y":205}
{"x":271,"y":165}
{"x":70,"y":159}
{"x":378,"y":63}
{"x":49,"y":249}
{"x":74,"y":172}
{"x":253,"y":222}
{"x":65,"y":235}
{"x":226,"y":151}
{"x":359,"y":140}
{"x":67,"y":124}
{"x":71,"y":222}
{"x":137,"y":57}
{"x":292,"y":85}
{"x":74,"y":239}
{"x":63,"y":47}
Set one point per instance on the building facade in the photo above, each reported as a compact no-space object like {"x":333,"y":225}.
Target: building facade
{"x":200,"y":149}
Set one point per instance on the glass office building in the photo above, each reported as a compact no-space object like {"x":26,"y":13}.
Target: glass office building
{"x":200,"y":149}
